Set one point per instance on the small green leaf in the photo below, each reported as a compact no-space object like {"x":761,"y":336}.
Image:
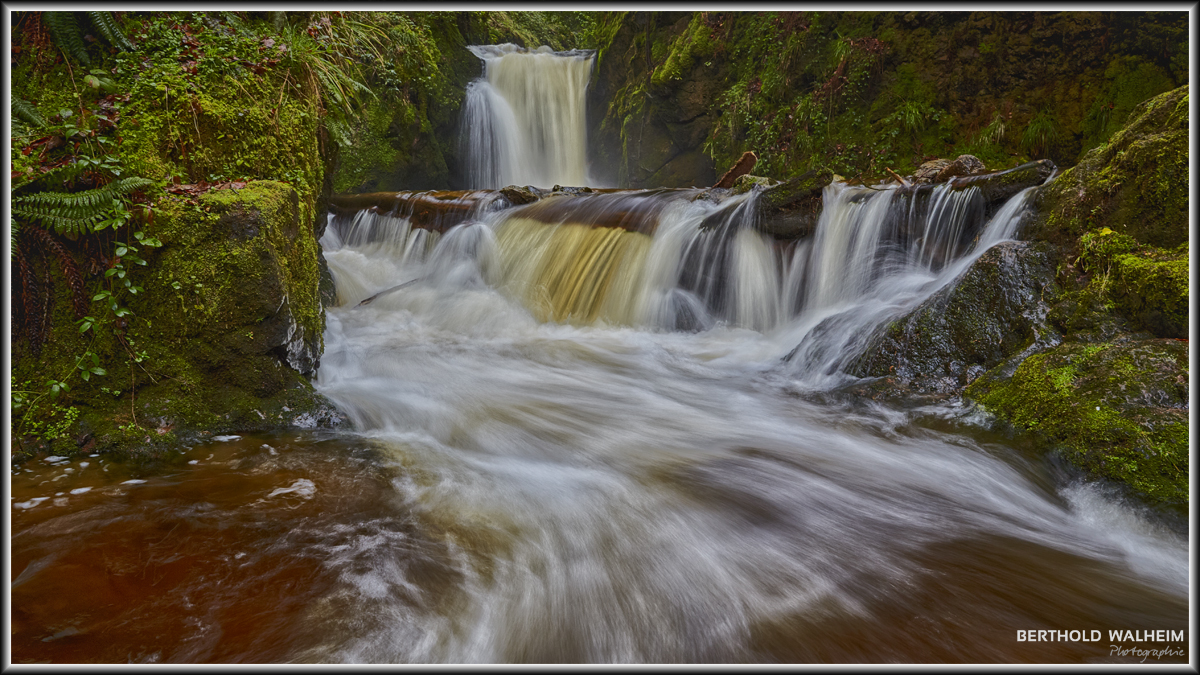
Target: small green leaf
{"x":121,"y":250}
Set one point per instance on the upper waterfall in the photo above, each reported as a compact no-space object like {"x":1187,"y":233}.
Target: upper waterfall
{"x":524,"y":121}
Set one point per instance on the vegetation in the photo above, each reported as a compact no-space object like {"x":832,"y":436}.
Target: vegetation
{"x":860,"y":92}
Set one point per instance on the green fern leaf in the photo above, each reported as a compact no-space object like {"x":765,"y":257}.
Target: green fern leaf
{"x":75,"y":212}
{"x":26,"y":112}
{"x":106,"y":25}
{"x":65,"y":31}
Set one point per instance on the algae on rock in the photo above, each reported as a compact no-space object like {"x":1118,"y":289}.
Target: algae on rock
{"x":1117,"y":410}
{"x":995,"y":311}
{"x":1135,"y":184}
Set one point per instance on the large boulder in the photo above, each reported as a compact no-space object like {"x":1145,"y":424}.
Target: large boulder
{"x":1135,"y":184}
{"x":998,"y":309}
{"x":224,"y":337}
{"x":1117,"y":410}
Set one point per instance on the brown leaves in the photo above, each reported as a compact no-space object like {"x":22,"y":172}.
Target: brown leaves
{"x":196,"y":189}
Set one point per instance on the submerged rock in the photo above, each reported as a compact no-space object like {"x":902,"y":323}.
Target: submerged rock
{"x":1117,"y":410}
{"x":996,"y":310}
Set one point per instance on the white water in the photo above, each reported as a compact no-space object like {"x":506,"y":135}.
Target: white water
{"x":618,"y":491}
{"x":524,"y":121}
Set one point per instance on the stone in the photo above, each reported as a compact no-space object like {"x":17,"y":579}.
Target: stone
{"x":997,"y":309}
{"x":964,"y":165}
{"x":1117,"y":410}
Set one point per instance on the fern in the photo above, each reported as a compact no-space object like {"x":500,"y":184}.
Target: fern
{"x":26,"y":112}
{"x":106,"y":25}
{"x":58,"y":175}
{"x":70,"y":270}
{"x":67,"y":35}
{"x":78,"y":212}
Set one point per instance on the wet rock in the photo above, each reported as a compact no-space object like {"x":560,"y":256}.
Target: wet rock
{"x":996,"y":310}
{"x":1118,"y":410}
{"x":928,"y":172}
{"x":747,"y":182}
{"x":999,"y":186}
{"x":790,"y":210}
{"x":964,"y":165}
{"x":518,"y":195}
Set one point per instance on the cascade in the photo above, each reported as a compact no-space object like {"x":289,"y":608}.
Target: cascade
{"x":524,"y":121}
{"x":602,"y":426}
{"x":664,"y":260}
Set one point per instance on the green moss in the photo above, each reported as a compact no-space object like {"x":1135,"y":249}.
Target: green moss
{"x":1135,"y":185}
{"x":1115,"y":410}
{"x":861,"y":91}
{"x":695,"y":44}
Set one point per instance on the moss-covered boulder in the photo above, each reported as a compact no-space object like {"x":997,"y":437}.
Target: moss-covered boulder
{"x":1119,"y":411}
{"x":1135,"y":184}
{"x":222,"y":338}
{"x":996,"y":310}
{"x":1146,"y":285}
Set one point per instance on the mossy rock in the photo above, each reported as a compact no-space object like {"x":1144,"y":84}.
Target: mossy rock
{"x":996,"y":310}
{"x":226,"y":333}
{"x":1136,"y":184}
{"x":1146,"y":285}
{"x":1116,"y":410}
{"x":747,"y":182}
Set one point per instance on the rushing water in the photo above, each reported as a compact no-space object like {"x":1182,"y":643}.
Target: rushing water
{"x":605,"y":427}
{"x":524,"y":121}
{"x":579,"y":443}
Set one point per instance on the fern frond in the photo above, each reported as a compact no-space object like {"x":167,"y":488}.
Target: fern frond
{"x":106,"y":25}
{"x":66,"y":264}
{"x":56,"y":176}
{"x":75,"y":212}
{"x":26,"y":112}
{"x":67,"y":36}
{"x":26,"y":311}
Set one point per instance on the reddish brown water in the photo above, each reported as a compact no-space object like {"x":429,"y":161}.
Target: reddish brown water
{"x":311,"y":550}
{"x":521,"y":491}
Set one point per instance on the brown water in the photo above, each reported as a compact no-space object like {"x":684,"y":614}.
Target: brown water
{"x":318,"y":548}
{"x":593,"y":491}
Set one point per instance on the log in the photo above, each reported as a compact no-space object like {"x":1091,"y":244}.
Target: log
{"x":741,"y":167}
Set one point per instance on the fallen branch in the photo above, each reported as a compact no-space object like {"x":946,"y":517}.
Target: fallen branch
{"x":741,"y":167}
{"x":896,"y":176}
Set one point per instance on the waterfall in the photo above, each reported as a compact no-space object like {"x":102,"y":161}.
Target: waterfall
{"x":524,"y":121}
{"x":665,"y":260}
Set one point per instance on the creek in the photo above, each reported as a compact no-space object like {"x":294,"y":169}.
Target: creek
{"x":579,"y":442}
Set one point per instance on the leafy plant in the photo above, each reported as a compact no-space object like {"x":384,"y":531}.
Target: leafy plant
{"x":73,"y":214}
{"x":26,"y":112}
{"x":1040,"y":134}
{"x":107,"y":27}
{"x":994,"y":132}
{"x":67,"y":35}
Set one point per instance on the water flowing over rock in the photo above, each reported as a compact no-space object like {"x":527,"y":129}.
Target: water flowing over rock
{"x":524,"y":122}
{"x":1117,"y":409}
{"x":995,"y":311}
